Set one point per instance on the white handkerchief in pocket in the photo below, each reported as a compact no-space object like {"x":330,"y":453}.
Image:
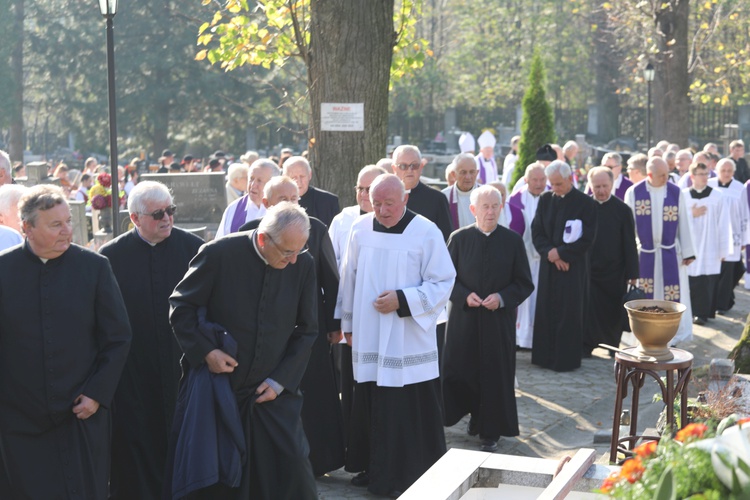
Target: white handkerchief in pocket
{"x":573,"y":230}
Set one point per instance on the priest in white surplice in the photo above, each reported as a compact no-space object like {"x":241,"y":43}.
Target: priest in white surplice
{"x":397,"y":277}
{"x":527,"y":199}
{"x":250,"y":206}
{"x":459,"y":193}
{"x":665,"y":243}
{"x":735,"y":196}
{"x":712,"y":230}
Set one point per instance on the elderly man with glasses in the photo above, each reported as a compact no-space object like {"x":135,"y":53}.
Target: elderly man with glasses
{"x":148,"y":262}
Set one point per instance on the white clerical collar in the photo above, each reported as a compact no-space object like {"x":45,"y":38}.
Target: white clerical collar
{"x":487,"y":233}
{"x":605,"y":201}
{"x":257,"y":249}
{"x":464,"y":193}
{"x":144,"y":239}
{"x":699,"y":190}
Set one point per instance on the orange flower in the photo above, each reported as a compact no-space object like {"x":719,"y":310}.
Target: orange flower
{"x":632,"y":469}
{"x":743,"y":421}
{"x":691,"y":432}
{"x":610,"y":482}
{"x":646,"y":449}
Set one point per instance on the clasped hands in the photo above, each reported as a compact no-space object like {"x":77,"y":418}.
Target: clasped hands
{"x":491,"y":302}
{"x":554,"y":258}
{"x":220,"y":362}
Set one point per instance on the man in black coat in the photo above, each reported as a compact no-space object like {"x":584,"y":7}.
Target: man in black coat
{"x":148,"y":261}
{"x":64,"y":338}
{"x":614,"y":263}
{"x":563,"y":230}
{"x":318,"y":203}
{"x":260,"y":287}
{"x":321,"y":414}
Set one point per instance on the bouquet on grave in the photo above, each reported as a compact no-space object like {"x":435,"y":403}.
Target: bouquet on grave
{"x":700,"y":462}
{"x":101,"y":192}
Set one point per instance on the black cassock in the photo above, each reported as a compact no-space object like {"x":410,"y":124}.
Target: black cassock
{"x":321,"y":414}
{"x":63,"y":332}
{"x":272,"y":314}
{"x":562,"y":295}
{"x":479,"y":361}
{"x":614,"y":261}
{"x":320,"y":204}
{"x":144,"y":403}
{"x":432,"y":204}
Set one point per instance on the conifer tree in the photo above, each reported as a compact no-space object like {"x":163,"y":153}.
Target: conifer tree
{"x":537,"y":124}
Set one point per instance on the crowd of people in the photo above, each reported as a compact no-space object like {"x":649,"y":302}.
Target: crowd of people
{"x":305,"y":338}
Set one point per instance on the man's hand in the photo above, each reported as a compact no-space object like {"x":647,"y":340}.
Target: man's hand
{"x":687,"y":262}
{"x":387,"y":302}
{"x":84,"y":407}
{"x":633,"y":281}
{"x":492,"y":301}
{"x":266,"y":393}
{"x":473,"y":300}
{"x":553,"y":256}
{"x":334,"y":337}
{"x":220,"y":362}
{"x":699,"y":211}
{"x":561,"y":265}
{"x":348,"y":337}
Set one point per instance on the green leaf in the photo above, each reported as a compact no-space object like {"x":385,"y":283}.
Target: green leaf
{"x":667,"y":489}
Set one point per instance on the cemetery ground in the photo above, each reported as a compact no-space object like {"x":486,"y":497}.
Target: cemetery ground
{"x":562,"y":412}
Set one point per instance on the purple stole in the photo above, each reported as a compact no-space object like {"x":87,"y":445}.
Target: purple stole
{"x":517,"y":223}
{"x":482,"y":173}
{"x":239,"y":215}
{"x":517,"y":200}
{"x":647,"y":257}
{"x":624,"y":185}
{"x":747,"y":253}
{"x":453,"y":203}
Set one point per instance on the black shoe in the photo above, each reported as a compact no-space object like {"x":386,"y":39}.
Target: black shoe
{"x":361,"y":480}
{"x":723,"y":312}
{"x":699,"y":321}
{"x":488,"y":445}
{"x":471,"y":428}
{"x":394,"y":494}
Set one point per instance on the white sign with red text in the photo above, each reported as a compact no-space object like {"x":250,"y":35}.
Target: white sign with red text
{"x":342,"y":117}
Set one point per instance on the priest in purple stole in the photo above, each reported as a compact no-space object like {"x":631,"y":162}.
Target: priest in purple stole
{"x":458,"y":194}
{"x":563,"y":230}
{"x":665,"y":242}
{"x":486,"y":158}
{"x":250,"y":206}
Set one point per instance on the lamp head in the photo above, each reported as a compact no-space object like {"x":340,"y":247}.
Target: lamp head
{"x":108,"y":8}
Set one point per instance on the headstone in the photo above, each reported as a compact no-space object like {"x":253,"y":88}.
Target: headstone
{"x":450,"y":122}
{"x":201,"y":198}
{"x":80,"y":223}
{"x":35,"y":172}
{"x":592,"y":127}
{"x":519,"y":117}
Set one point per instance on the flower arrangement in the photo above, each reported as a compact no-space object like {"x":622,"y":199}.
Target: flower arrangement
{"x":700,"y":462}
{"x":101,"y":192}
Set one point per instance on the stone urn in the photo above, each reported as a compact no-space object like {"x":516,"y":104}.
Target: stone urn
{"x":655,"y":330}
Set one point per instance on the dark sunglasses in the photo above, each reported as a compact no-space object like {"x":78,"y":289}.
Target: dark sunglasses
{"x":159,"y":214}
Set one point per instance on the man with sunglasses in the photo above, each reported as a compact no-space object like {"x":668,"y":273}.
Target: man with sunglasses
{"x":260,"y":287}
{"x":148,"y":261}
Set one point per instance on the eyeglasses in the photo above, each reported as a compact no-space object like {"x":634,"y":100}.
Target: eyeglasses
{"x":159,"y":214}
{"x":362,"y":189}
{"x":287,"y":254}
{"x":409,"y":166}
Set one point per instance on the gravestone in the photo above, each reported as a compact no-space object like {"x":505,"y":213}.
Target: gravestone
{"x":201,"y":198}
{"x":80,"y":224}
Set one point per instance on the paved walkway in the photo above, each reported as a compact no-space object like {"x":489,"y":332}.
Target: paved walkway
{"x":561,"y":412}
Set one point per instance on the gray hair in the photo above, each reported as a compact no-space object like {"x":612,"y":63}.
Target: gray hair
{"x":533,"y":166}
{"x":483,"y":190}
{"x":249,"y":157}
{"x":614,"y":156}
{"x":369,"y":169}
{"x":276,"y":182}
{"x":718,"y":165}
{"x":558,"y":167}
{"x":386,"y":164}
{"x":293,"y":160}
{"x":40,"y":197}
{"x":570,"y":145}
{"x":237,"y":170}
{"x":266,"y":163}
{"x":387,"y":179}
{"x":601,"y":170}
{"x":282,"y":217}
{"x":685,"y":152}
{"x":9,"y":196}
{"x":146,"y":192}
{"x":406,"y":148}
{"x":461,"y":157}
{"x":451,"y":168}
{"x":5,"y":162}
{"x":500,"y":187}
{"x":638,"y":162}
{"x":669,"y":155}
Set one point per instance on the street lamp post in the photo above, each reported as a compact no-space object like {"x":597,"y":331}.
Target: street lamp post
{"x":648,"y":75}
{"x":108,"y":9}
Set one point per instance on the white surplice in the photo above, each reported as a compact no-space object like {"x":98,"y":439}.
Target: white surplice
{"x":735,"y":197}
{"x":683,"y":245}
{"x":463,"y":200}
{"x":527,"y":309}
{"x":341,"y":226}
{"x":711,"y":233}
{"x":387,"y":349}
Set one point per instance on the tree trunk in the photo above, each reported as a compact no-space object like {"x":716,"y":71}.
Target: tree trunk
{"x":606,"y":61}
{"x":672,"y":83}
{"x":15,"y":142}
{"x":741,"y":352}
{"x":351,"y":47}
